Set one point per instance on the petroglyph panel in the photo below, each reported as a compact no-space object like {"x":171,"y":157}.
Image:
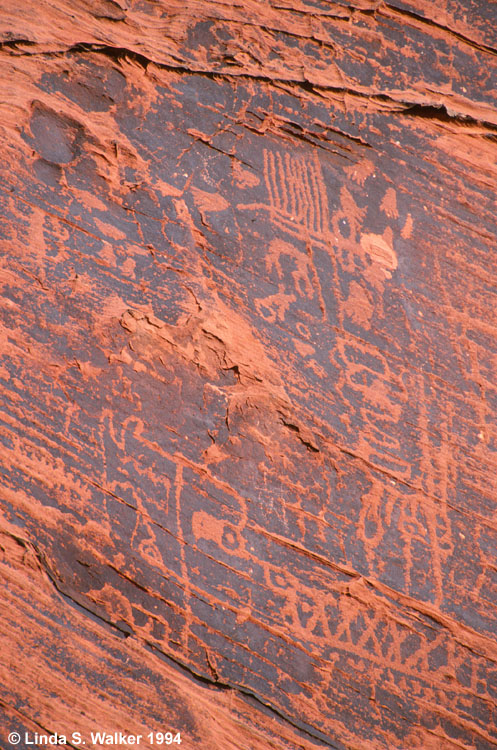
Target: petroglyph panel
{"x":247,"y":356}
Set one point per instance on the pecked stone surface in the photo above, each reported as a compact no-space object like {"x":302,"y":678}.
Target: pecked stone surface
{"x":247,"y":356}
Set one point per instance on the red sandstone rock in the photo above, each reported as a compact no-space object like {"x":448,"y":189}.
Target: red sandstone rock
{"x":247,"y":356}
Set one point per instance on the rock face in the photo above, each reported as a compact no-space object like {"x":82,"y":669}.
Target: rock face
{"x":248,"y":345}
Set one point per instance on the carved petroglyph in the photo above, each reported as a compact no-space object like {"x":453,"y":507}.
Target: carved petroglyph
{"x":380,"y":250}
{"x":298,"y":200}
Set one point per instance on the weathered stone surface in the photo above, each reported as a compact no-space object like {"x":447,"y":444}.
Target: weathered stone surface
{"x":247,"y":357}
